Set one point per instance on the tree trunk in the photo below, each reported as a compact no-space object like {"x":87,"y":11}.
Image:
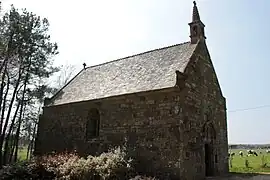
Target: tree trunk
{"x":3,"y":100}
{"x":3,"y":97}
{"x":15,"y":91}
{"x":30,"y":150}
{"x":6,"y":146}
{"x":2,"y":138}
{"x":11,"y":156}
{"x":4,"y":66}
{"x":17,"y":136}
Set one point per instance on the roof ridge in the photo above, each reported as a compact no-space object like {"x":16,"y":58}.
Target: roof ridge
{"x":157,"y":49}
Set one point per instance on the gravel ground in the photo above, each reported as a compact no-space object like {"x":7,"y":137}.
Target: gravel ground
{"x":261,"y":176}
{"x":257,"y":177}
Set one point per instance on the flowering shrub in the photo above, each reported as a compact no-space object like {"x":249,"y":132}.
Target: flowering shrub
{"x":52,"y":163}
{"x":113,"y":164}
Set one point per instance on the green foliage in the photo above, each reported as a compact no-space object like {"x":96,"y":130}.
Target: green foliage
{"x":25,"y":36}
{"x":25,"y":171}
{"x":26,"y":53}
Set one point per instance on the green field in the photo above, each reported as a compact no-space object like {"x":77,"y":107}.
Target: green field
{"x":260,"y":163}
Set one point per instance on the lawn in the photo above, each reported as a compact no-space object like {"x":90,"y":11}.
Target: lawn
{"x":260,"y":163}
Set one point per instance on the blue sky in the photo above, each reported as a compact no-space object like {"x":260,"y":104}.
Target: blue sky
{"x":237,"y":37}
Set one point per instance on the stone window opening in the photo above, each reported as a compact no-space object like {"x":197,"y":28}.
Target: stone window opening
{"x":92,"y":124}
{"x":209,"y":132}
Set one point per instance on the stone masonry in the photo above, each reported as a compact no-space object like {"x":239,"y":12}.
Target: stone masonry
{"x":179,"y":130}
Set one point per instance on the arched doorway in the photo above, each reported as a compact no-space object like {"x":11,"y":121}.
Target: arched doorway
{"x":209,"y":136}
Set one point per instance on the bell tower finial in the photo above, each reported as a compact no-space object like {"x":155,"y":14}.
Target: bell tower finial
{"x":195,"y":14}
{"x":196,"y":26}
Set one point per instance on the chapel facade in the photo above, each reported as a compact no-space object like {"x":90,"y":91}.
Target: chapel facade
{"x":166,"y":104}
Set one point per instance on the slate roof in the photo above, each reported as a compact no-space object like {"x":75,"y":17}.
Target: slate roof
{"x":150,"y":70}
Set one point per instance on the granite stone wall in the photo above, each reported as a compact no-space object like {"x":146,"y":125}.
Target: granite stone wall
{"x":204,"y":104}
{"x":152,"y":123}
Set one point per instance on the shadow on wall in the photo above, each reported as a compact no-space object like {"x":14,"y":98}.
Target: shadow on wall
{"x":146,"y":162}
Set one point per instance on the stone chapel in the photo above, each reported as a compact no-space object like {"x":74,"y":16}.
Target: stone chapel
{"x":166,"y":103}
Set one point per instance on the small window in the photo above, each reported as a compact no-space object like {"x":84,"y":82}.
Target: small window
{"x":216,"y":161}
{"x":195,"y":30}
{"x":92,"y":124}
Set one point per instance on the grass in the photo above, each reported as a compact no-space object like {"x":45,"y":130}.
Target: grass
{"x":22,"y":154}
{"x":260,"y":163}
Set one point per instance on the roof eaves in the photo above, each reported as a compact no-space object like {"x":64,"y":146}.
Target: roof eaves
{"x":115,"y":96}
